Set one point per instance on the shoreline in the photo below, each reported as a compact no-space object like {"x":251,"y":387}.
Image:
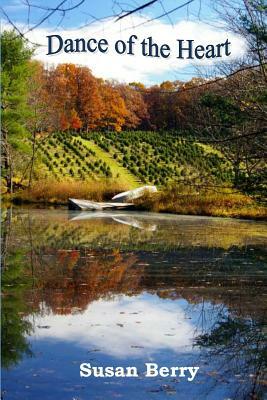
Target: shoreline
{"x":173,"y":199}
{"x":141,"y":208}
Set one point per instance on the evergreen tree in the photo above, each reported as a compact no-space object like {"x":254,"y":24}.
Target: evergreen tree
{"x":15,"y":70}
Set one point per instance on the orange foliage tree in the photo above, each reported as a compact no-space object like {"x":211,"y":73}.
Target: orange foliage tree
{"x":137,"y":113}
{"x":114,"y":111}
{"x":89,"y":101}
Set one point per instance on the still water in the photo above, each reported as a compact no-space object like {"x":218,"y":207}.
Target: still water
{"x":125,"y":289}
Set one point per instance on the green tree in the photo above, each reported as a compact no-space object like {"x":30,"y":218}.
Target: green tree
{"x":15,"y":71}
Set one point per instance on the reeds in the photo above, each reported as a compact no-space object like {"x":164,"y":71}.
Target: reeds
{"x":54,"y":192}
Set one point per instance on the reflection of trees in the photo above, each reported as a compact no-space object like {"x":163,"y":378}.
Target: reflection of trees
{"x":72,"y":278}
{"x":6,"y":217}
{"x":75,"y":278}
{"x":14,"y":330}
{"x":239,"y":343}
{"x":14,"y":327}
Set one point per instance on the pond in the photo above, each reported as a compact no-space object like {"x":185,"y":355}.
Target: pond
{"x":127,"y":289}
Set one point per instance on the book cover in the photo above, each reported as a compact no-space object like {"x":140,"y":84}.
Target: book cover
{"x":133,"y":186}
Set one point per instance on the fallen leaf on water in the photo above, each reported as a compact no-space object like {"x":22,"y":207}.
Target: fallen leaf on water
{"x":43,"y":326}
{"x":93,"y":350}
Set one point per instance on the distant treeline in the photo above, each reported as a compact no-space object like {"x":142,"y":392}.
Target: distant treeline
{"x":70,"y":97}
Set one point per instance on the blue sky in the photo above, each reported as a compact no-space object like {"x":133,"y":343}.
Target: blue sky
{"x":197,"y":21}
{"x":103,"y":8}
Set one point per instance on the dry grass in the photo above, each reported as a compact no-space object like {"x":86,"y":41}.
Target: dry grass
{"x":54,"y":192}
{"x":178,"y":200}
{"x":227,"y":204}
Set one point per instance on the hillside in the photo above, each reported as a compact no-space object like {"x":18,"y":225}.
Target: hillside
{"x":132,"y":158}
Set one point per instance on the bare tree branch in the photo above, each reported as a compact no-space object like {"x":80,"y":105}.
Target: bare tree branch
{"x":63,"y":8}
{"x":136,"y":9}
{"x":49,"y":12}
{"x":166,"y":13}
{"x":207,"y":83}
{"x":58,"y":8}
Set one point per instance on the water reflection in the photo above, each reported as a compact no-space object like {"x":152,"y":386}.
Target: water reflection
{"x":126,"y":289}
{"x":136,"y":221}
{"x":125,"y":324}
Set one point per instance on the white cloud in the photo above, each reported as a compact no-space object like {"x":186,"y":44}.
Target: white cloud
{"x":136,"y":68}
{"x":123,"y":327}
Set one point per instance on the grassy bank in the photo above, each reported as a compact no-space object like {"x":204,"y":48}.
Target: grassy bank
{"x":233,"y":205}
{"x":176,"y":200}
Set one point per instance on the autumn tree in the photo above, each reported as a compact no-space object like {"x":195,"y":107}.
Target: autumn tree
{"x":39,"y":104}
{"x":137,"y":113}
{"x":62,"y":92}
{"x":114,"y":109}
{"x":75,"y":121}
{"x":73,"y":90}
{"x":89,"y":101}
{"x":170,"y":104}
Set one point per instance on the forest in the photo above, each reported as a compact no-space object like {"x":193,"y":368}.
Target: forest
{"x":61,"y":125}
